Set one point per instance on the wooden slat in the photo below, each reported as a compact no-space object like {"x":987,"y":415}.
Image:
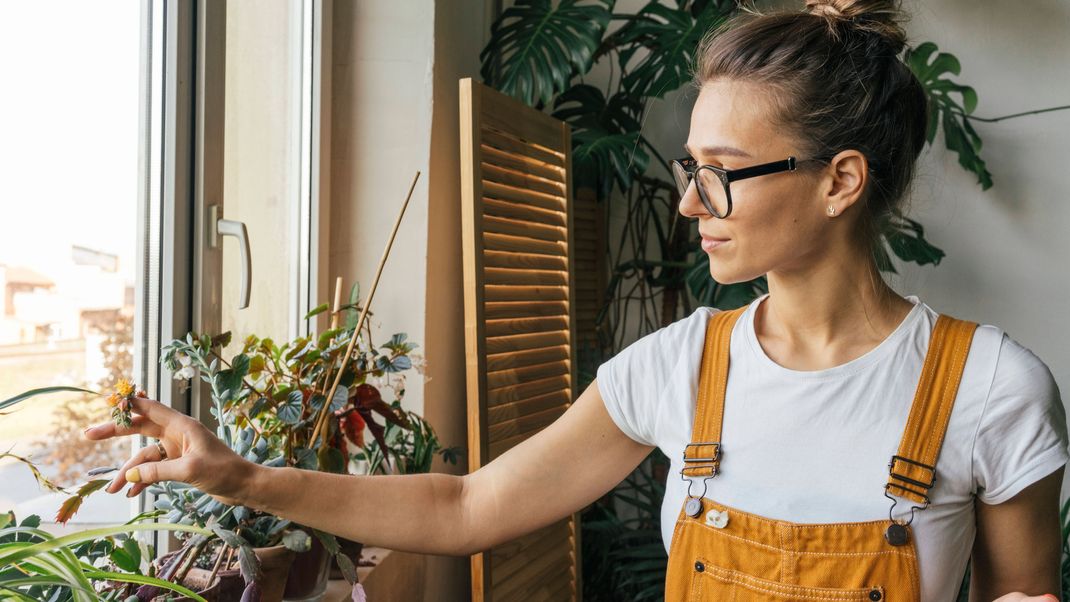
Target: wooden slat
{"x":520,"y":211}
{"x":523,"y":342}
{"x":511,"y":143}
{"x":527,"y":276}
{"x":502,"y":361}
{"x":530,"y":389}
{"x":504,"y":225}
{"x":521,"y":309}
{"x":523,"y":196}
{"x":512,"y":326}
{"x":516,"y":376}
{"x":535,"y":572}
{"x":505,"y":259}
{"x":512,"y":292}
{"x":525,"y":183}
{"x":522,"y":162}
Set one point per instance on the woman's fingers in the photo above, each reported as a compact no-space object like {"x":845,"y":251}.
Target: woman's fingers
{"x":149,"y":453}
{"x":139,"y":425}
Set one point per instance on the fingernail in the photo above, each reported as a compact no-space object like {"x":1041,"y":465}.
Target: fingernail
{"x":87,"y":429}
{"x":130,"y":493}
{"x":133,"y":475}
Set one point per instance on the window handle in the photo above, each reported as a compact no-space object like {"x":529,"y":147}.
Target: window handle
{"x":218,"y":228}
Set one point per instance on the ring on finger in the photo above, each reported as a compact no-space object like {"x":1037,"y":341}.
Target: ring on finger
{"x":160,"y":448}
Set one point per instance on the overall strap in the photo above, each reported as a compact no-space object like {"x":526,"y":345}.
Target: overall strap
{"x":912,"y":471}
{"x":702,"y":456}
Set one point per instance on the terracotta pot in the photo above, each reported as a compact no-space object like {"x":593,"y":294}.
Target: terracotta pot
{"x":228,"y":584}
{"x":308,"y":574}
{"x":275,"y":563}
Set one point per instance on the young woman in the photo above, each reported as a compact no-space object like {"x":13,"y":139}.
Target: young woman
{"x":832,"y":440}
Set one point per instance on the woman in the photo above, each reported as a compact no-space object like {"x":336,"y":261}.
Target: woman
{"x":841,"y":395}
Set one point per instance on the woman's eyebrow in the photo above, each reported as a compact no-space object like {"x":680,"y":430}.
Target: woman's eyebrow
{"x":717,"y":151}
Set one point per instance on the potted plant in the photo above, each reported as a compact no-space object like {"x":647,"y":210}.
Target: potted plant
{"x":270,"y":401}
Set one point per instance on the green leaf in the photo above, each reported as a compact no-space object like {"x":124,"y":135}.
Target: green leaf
{"x":929,"y":66}
{"x":906,"y":237}
{"x":536,"y":48}
{"x":42,"y":391}
{"x":317,"y":310}
{"x":290,"y":410}
{"x":345,"y":565}
{"x":664,"y":39}
{"x":305,"y":458}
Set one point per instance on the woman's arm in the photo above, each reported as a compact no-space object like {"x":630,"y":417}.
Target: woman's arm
{"x":1018,"y":545}
{"x":569,"y":464}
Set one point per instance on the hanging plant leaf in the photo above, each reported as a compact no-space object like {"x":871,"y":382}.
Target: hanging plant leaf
{"x":906,"y":237}
{"x":668,"y":37}
{"x":929,"y":66}
{"x":536,"y":48}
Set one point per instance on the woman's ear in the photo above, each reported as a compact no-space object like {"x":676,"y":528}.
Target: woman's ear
{"x":844,"y":180}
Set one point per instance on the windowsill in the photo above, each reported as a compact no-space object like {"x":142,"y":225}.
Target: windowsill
{"x":395,"y":576}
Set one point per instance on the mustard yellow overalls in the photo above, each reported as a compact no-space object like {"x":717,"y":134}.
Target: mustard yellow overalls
{"x":725,"y":554}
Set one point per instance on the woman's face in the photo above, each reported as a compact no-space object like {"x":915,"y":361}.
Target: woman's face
{"x":777,"y":220}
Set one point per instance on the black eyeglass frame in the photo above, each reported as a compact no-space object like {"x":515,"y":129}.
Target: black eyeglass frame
{"x":691,"y":167}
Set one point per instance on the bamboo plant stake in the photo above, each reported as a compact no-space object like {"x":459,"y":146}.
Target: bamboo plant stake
{"x":360,"y":321}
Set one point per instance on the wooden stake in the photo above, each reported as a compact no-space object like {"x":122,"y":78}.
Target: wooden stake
{"x":360,"y":321}
{"x":337,"y":302}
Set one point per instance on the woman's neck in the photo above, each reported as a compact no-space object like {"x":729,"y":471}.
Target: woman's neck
{"x":826,"y":317}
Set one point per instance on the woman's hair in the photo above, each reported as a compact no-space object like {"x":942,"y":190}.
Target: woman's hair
{"x":835,"y":82}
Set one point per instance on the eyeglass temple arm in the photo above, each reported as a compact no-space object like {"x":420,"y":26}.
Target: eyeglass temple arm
{"x":761,"y":170}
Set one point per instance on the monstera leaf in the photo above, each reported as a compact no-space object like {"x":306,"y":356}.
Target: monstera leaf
{"x":906,"y":237}
{"x":541,"y":47}
{"x":669,"y":37}
{"x":606,"y":144}
{"x":959,"y":135}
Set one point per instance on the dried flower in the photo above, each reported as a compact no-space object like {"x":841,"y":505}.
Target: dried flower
{"x":120,"y":402}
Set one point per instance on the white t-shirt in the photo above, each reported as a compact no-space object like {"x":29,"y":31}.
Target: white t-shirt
{"x":1006,"y":431}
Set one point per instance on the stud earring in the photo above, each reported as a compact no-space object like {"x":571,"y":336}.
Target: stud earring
{"x":831,"y":210}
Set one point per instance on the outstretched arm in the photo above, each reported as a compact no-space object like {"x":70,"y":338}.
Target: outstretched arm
{"x":561,"y":469}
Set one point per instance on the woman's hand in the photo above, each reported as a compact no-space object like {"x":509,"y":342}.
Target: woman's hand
{"x":194,"y":454}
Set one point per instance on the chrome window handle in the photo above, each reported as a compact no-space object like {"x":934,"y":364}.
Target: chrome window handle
{"x":218,"y":228}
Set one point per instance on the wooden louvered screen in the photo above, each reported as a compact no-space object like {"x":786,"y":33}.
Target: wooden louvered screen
{"x":519,"y":325}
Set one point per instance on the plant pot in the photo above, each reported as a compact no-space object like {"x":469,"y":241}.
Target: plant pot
{"x":352,"y":550}
{"x":308,"y":574}
{"x":229,"y":584}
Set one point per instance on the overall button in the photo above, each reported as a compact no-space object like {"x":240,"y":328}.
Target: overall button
{"x":875,"y":595}
{"x":699,"y":566}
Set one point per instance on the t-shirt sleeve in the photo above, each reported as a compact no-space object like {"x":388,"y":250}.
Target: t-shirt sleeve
{"x":1022,"y":434}
{"x":632,"y":382}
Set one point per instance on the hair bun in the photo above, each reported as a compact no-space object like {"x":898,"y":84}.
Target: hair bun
{"x":880,"y":17}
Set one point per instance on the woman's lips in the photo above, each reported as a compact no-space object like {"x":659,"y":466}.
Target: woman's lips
{"x":709,"y":243}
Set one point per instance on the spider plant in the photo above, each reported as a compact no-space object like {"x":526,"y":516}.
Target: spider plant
{"x":38,"y":565}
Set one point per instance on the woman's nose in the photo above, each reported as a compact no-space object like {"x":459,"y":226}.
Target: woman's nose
{"x":690,"y":204}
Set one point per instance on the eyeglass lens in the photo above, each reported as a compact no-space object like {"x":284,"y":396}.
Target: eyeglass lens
{"x":711,"y":190}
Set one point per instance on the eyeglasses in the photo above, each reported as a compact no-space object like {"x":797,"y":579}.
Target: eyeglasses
{"x":713,"y":181}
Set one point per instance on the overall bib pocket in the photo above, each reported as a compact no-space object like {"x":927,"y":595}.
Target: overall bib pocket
{"x":711,"y":583}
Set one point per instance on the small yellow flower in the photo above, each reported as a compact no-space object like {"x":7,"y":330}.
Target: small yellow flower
{"x":124,"y":387}
{"x":113,"y":399}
